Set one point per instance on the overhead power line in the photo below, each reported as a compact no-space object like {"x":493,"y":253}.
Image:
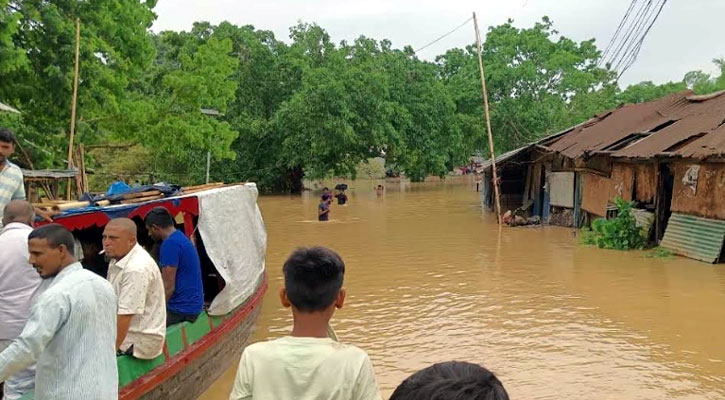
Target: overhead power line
{"x":630,"y":29}
{"x":616,"y":33}
{"x":634,"y":35}
{"x":445,"y":35}
{"x":627,"y":40}
{"x":638,"y":47}
{"x":613,"y":40}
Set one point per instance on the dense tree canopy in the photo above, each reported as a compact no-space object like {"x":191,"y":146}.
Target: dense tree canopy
{"x":276,"y":111}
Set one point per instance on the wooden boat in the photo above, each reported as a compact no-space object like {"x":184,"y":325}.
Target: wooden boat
{"x":227,"y":228}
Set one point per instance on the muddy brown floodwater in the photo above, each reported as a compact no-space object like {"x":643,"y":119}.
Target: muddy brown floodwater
{"x":430,"y":279}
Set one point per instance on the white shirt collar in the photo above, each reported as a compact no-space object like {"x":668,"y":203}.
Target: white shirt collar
{"x":15,"y":225}
{"x":125,"y":259}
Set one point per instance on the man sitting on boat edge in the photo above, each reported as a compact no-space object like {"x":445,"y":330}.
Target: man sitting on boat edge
{"x":136,"y":279}
{"x":180,"y":268}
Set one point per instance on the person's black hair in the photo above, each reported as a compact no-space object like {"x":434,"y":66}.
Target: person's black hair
{"x":6,"y":136}
{"x":56,"y":235}
{"x":452,"y":380}
{"x":325,"y":188}
{"x":326,"y":196}
{"x":160,"y":217}
{"x":313,"y":278}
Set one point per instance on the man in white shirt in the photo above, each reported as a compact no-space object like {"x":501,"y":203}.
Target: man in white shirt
{"x":71,"y":329}
{"x":136,"y":279}
{"x":11,"y":177}
{"x":19,"y":287}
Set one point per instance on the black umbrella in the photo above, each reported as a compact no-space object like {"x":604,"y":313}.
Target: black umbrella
{"x":341,"y":186}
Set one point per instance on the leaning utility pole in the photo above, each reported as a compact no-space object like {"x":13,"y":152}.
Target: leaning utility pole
{"x":488,"y":121}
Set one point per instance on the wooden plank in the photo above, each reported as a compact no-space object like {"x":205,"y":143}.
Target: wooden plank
{"x":595,"y":194}
{"x":527,"y":185}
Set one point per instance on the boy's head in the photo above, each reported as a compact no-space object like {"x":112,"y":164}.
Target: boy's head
{"x":313,"y":280}
{"x":452,"y":380}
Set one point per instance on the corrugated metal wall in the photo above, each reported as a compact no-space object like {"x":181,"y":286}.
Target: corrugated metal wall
{"x":695,"y":237}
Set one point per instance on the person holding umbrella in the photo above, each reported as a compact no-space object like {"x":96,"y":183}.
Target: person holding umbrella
{"x":341,"y":196}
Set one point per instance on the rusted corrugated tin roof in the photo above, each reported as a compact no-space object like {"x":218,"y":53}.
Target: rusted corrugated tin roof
{"x":691,"y":120}
{"x":711,"y":144}
{"x":679,"y":125}
{"x":611,"y":128}
{"x":500,"y":159}
{"x":541,"y":144}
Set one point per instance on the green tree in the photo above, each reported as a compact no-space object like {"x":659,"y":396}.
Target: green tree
{"x":703,"y":83}
{"x":331,"y":122}
{"x":538,"y":82}
{"x":12,"y":57}
{"x":192,"y":72}
{"x":429,"y":139}
{"x":115,"y":49}
{"x":647,"y":91}
{"x":313,"y":109}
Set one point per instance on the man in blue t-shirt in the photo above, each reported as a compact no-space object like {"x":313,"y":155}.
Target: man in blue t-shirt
{"x":323,"y":210}
{"x":180,"y":268}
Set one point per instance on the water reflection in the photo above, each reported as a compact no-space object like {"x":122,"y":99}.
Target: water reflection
{"x":431,"y":278}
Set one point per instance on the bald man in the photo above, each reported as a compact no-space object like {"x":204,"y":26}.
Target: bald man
{"x":136,"y":279}
{"x":20,"y":285}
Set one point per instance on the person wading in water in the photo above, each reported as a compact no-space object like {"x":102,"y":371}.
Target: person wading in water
{"x":323,"y":210}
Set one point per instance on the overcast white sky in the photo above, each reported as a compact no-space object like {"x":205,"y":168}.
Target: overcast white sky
{"x":687,"y":36}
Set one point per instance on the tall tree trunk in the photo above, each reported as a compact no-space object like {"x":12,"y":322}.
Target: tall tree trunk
{"x":294,"y":179}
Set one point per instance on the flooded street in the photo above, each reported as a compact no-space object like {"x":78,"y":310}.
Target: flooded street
{"x":431,"y":278}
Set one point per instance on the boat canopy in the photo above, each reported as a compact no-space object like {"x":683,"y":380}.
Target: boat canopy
{"x":235,"y":239}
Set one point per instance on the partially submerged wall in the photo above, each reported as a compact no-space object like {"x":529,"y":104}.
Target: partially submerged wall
{"x":628,"y":181}
{"x":699,"y":189}
{"x":645,"y":183}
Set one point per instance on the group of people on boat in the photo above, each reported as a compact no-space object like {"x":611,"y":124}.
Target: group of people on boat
{"x":62,"y":326}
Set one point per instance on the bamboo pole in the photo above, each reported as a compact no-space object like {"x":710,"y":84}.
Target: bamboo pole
{"x":204,"y":186}
{"x":488,"y":121}
{"x":73,"y":104}
{"x":75,"y":95}
{"x":138,"y":195}
{"x":70,"y":205}
{"x":208,"y":165}
{"x":142,"y":199}
{"x":84,"y":176}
